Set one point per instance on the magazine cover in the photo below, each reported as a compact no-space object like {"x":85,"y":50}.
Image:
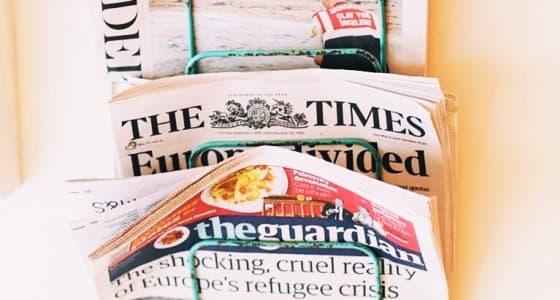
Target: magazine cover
{"x":152,"y":39}
{"x":276,"y":195}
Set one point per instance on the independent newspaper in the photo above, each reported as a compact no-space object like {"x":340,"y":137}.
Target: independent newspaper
{"x":149,"y":38}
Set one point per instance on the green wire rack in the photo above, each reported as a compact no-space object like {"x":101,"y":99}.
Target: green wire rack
{"x":379,"y":65}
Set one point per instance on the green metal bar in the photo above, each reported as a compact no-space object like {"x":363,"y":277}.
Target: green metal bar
{"x":380,"y":65}
{"x":191,"y":32}
{"x":193,"y":60}
{"x":199,"y":149}
{"x":318,"y":245}
{"x":382,"y":37}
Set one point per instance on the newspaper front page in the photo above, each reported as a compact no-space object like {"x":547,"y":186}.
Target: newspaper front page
{"x":157,"y":127}
{"x":149,"y":38}
{"x":300,"y":198}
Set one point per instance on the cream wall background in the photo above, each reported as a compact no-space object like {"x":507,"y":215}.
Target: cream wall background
{"x":9,"y":169}
{"x":62,"y":91}
{"x":499,"y":57}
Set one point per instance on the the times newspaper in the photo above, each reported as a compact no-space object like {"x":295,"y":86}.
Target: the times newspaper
{"x":149,"y":38}
{"x":273,"y":195}
{"x":158,"y":125}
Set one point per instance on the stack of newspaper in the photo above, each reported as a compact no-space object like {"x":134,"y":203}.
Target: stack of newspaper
{"x":352,"y":200}
{"x":399,"y":125}
{"x":265,"y":194}
{"x":350,"y":129}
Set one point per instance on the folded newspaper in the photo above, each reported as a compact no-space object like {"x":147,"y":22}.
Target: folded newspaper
{"x":149,"y":38}
{"x":100,"y":208}
{"x":269,"y":195}
{"x":386,"y":126}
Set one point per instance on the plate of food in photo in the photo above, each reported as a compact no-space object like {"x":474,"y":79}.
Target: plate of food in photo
{"x":244,"y":190}
{"x":172,"y":237}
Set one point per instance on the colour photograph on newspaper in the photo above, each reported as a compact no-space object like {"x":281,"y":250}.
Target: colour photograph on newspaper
{"x":154,"y":38}
{"x":293,"y":197}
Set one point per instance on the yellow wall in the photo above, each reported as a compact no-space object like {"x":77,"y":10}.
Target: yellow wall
{"x":501,"y":58}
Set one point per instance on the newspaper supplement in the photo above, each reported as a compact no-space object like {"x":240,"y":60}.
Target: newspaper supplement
{"x":91,"y":231}
{"x":149,"y":38}
{"x":99,"y":208}
{"x":156,"y":128}
{"x":300,"y":198}
{"x":88,"y":198}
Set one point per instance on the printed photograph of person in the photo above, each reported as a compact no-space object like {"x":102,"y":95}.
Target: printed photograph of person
{"x":225,"y":25}
{"x":257,"y":24}
{"x":362,"y":217}
{"x":336,"y":211}
{"x":344,"y":25}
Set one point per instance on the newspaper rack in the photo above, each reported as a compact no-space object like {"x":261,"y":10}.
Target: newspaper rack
{"x":196,"y":290}
{"x":193,"y":60}
{"x":379,"y":64}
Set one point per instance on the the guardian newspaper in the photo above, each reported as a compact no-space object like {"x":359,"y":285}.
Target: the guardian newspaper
{"x":275,"y":195}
